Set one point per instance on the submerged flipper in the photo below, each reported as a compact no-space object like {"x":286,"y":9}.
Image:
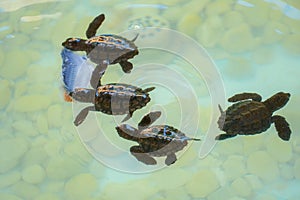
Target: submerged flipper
{"x":224,"y":136}
{"x":94,"y":25}
{"x":244,"y":96}
{"x":148,"y":119}
{"x":282,"y":127}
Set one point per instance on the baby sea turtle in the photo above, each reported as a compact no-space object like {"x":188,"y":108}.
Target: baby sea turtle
{"x":104,"y":49}
{"x":251,"y":116}
{"x":112,"y":99}
{"x":154,"y":141}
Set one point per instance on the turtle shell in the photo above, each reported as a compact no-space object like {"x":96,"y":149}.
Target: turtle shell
{"x":245,"y":118}
{"x":112,"y":48}
{"x":162,"y":140}
{"x":119,"y":99}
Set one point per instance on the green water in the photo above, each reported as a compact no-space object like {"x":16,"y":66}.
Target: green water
{"x":254,"y":46}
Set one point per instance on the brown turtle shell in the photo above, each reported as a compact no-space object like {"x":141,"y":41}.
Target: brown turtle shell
{"x":119,"y":98}
{"x":162,"y":140}
{"x":245,"y":118}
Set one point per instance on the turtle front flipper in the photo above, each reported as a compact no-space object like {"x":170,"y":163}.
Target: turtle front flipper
{"x":224,"y":136}
{"x":149,"y":119}
{"x":97,"y":75}
{"x":244,"y":96}
{"x":126,"y":66}
{"x":83,"y":114}
{"x":139,"y":153}
{"x":94,"y":25}
{"x":171,"y":158}
{"x":282,"y":127}
{"x":127,"y":117}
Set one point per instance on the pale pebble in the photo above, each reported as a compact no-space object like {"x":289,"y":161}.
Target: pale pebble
{"x":8,"y":145}
{"x":252,"y":144}
{"x":267,"y":197}
{"x":31,"y":103}
{"x":47,"y":196}
{"x":7,"y":29}
{"x":256,"y":16}
{"x":6,"y":196}
{"x":25,"y":127}
{"x":238,"y":39}
{"x":291,"y":43}
{"x":286,"y":171}
{"x":189,"y":23}
{"x":241,"y":187}
{"x":166,"y":179}
{"x":54,"y":115}
{"x":225,"y":192}
{"x":297,"y":168}
{"x":294,"y":24}
{"x":33,"y":174}
{"x":9,"y":179}
{"x":55,"y":186}
{"x":15,"y":64}
{"x":42,"y":124}
{"x":66,"y":25}
{"x":5,"y":90}
{"x":62,"y":167}
{"x":25,"y":190}
{"x":208,"y":34}
{"x":19,"y":40}
{"x":77,"y":150}
{"x":81,"y":186}
{"x":40,"y":74}
{"x":202,"y":184}
{"x":36,"y":155}
{"x":187,"y":158}
{"x":260,"y":163}
{"x":29,"y":27}
{"x":263,"y":55}
{"x":137,"y":189}
{"x":176,"y":193}
{"x":230,"y":147}
{"x":274,"y":31}
{"x":232,"y":19}
{"x":239,"y":67}
{"x":218,"y":7}
{"x":279,"y":150}
{"x":53,"y":147}
{"x":234,"y":167}
{"x":21,"y":88}
{"x":254,"y":181}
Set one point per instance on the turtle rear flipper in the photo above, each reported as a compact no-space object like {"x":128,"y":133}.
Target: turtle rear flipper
{"x":282,"y":127}
{"x":224,"y":136}
{"x":244,"y":96}
{"x":126,"y":66}
{"x":139,"y":153}
{"x":149,"y":119}
{"x":94,"y":25}
{"x":83,"y":114}
{"x":148,"y":89}
{"x":171,"y":158}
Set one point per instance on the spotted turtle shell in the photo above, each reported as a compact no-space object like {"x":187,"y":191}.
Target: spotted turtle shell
{"x":119,"y":99}
{"x":245,"y":118}
{"x":162,"y":140}
{"x":111,"y":48}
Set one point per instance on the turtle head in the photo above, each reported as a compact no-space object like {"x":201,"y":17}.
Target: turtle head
{"x":127,"y":132}
{"x":83,"y":95}
{"x":277,"y":101}
{"x":75,"y":44}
